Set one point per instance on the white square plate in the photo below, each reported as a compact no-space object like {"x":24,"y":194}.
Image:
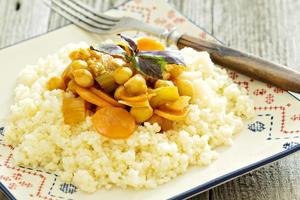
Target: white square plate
{"x":273,"y":134}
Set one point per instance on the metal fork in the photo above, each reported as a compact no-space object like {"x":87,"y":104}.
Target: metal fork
{"x":256,"y":67}
{"x":85,"y":17}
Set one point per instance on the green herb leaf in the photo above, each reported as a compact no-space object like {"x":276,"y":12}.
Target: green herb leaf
{"x":169,"y":56}
{"x":152,"y":66}
{"x":153,"y":63}
{"x":132,"y":44}
{"x":111,"y":49}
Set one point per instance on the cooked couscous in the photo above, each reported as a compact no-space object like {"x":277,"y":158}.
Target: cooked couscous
{"x":38,"y":131}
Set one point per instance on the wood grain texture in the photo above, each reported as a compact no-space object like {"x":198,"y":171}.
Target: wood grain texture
{"x":2,"y":197}
{"x":17,"y":23}
{"x":200,"y":12}
{"x":268,"y":28}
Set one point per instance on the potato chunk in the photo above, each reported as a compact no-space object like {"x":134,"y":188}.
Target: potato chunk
{"x":136,"y":85}
{"x":74,"y":110}
{"x":141,"y":114}
{"x":163,"y":95}
{"x":56,"y":83}
{"x":185,"y":87}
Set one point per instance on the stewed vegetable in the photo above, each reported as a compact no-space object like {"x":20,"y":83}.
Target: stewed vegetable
{"x":114,"y":122}
{"x":122,"y":74}
{"x":163,"y":83}
{"x":83,"y":77}
{"x":121,"y":85}
{"x":185,"y":87}
{"x":164,"y":95}
{"x":56,"y":83}
{"x":136,"y":85}
{"x":141,"y":114}
{"x":74,"y":110}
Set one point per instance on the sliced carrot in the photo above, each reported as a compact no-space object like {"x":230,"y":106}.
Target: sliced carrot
{"x":149,"y":44}
{"x":123,"y":95}
{"x":177,"y":105}
{"x":66,"y":75}
{"x":105,"y":97}
{"x":172,"y":115}
{"x":135,"y":104}
{"x":91,"y":97}
{"x":114,"y":122}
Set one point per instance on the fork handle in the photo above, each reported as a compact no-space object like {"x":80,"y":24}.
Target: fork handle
{"x":245,"y":63}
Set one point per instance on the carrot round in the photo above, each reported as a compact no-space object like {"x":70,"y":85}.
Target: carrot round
{"x":114,"y":122}
{"x":149,"y":44}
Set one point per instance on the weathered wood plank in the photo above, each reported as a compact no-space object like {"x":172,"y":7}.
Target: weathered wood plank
{"x":2,"y":197}
{"x":267,"y":28}
{"x":200,"y":12}
{"x":270,"y":29}
{"x":277,"y":181}
{"x":21,"y":20}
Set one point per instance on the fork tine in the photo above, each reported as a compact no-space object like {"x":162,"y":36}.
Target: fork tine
{"x":75,"y":19}
{"x":88,"y":14}
{"x":75,"y":16}
{"x":82,"y":6}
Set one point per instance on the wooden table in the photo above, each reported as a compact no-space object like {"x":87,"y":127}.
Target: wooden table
{"x":269,"y":28}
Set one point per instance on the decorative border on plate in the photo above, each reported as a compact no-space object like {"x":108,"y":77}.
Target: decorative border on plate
{"x":210,"y":184}
{"x":242,"y":171}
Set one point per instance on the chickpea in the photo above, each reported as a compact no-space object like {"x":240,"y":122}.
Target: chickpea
{"x":119,"y":91}
{"x":74,"y":55}
{"x":96,"y":68}
{"x":71,"y":86}
{"x":83,"y":77}
{"x":94,"y":54}
{"x":78,"y":64}
{"x":122,"y":74}
{"x":163,"y":83}
{"x":166,"y":75}
{"x":141,"y":114}
{"x":91,"y":61}
{"x":56,"y":83}
{"x":117,"y":62}
{"x":84,"y":54}
{"x":136,"y":85}
{"x":185,"y":87}
{"x":175,"y":70}
{"x":66,"y":75}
